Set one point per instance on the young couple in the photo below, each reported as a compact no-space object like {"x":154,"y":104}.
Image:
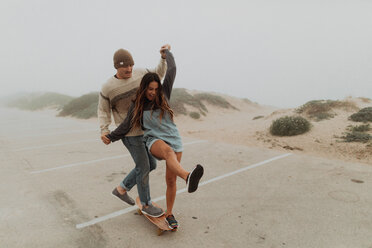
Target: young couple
{"x":146,"y":128}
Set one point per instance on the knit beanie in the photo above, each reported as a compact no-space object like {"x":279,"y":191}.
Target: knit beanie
{"x":122,"y":58}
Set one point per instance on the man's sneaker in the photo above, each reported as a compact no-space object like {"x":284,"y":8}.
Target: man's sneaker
{"x":172,"y":223}
{"x":126,"y":198}
{"x":152,"y":211}
{"x":194,"y":177}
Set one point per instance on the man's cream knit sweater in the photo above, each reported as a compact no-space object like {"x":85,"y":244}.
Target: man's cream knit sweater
{"x":116,"y":96}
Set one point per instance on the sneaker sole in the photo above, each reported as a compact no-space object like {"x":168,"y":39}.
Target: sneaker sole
{"x":154,"y":216}
{"x":173,"y":228}
{"x":194,"y":179}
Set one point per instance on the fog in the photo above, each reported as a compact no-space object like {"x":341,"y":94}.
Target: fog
{"x":280,"y":53}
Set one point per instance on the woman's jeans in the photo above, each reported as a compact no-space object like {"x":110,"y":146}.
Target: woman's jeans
{"x":145,"y":163}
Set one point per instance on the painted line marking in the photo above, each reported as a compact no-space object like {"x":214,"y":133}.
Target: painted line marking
{"x":129,"y":209}
{"x":64,"y":126}
{"x":53,"y":145}
{"x":98,"y":160}
{"x":79,"y":163}
{"x":59,"y":133}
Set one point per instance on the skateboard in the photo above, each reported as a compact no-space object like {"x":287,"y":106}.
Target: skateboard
{"x":160,"y":222}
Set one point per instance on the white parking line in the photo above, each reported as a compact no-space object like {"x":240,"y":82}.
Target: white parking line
{"x":127,"y":210}
{"x":80,"y":163}
{"x":63,"y":126}
{"x":58,"y":133}
{"x":98,"y":160}
{"x":53,"y":145}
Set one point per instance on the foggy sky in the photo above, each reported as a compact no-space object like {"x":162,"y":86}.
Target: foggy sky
{"x":281,"y":53}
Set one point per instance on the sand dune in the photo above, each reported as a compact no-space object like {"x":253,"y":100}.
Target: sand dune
{"x":240,"y":127}
{"x":249,"y":126}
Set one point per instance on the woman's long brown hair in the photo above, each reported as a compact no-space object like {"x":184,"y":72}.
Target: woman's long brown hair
{"x":158,"y":103}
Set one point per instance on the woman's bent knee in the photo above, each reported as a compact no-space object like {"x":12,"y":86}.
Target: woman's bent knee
{"x":169,"y":153}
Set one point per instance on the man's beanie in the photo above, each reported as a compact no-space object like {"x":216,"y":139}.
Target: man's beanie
{"x":122,"y":58}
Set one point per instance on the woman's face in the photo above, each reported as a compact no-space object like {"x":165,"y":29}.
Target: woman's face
{"x":152,"y":90}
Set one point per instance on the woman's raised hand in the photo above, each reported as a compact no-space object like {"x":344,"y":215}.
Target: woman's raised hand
{"x":163,"y":48}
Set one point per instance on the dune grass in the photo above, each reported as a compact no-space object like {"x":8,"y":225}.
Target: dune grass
{"x":180,"y":98}
{"x":322,"y":109}
{"x":258,"y":117}
{"x":357,"y":133}
{"x":359,"y":128}
{"x":37,"y":101}
{"x":83,"y":107}
{"x":86,"y":106}
{"x":355,"y":136}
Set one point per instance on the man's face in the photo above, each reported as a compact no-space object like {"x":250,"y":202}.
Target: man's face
{"x":125,"y":72}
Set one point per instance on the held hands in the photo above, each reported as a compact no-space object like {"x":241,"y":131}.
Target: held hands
{"x":104,"y":139}
{"x":162,"y":50}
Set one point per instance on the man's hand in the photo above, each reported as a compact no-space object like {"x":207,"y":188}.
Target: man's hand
{"x":105,"y":139}
{"x":162,"y":50}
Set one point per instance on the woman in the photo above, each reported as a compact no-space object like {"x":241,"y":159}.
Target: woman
{"x":151,"y":110}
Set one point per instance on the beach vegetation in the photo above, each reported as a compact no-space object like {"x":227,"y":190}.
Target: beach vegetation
{"x":357,"y":133}
{"x":258,"y":117}
{"x":83,"y":107}
{"x":195,"y":115}
{"x":38,"y":101}
{"x":355,"y":136}
{"x":289,"y":126}
{"x":180,"y":99}
{"x":322,"y":109}
{"x":363,"y":115}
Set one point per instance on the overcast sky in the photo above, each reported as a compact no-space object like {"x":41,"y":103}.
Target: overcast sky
{"x":282,"y":53}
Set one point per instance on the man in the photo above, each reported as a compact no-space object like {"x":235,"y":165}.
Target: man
{"x":115,"y":97}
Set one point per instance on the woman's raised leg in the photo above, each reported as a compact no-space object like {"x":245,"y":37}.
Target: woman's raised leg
{"x":162,"y":150}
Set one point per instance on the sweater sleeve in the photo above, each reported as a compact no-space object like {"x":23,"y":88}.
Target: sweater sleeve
{"x":104,"y":113}
{"x":170,"y":74}
{"x":160,"y":68}
{"x":123,"y":128}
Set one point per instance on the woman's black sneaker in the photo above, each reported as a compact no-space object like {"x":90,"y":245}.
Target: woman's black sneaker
{"x":172,"y":223}
{"x":194,"y":178}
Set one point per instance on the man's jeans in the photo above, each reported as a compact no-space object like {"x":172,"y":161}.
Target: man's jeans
{"x":145,"y":163}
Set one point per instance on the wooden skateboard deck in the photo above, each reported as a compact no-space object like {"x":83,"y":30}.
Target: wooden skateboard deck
{"x":160,"y":222}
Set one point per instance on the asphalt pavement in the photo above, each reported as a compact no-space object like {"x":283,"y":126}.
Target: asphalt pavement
{"x":57,"y":176}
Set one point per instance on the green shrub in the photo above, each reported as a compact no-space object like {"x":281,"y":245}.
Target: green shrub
{"x":83,"y":107}
{"x":364,"y":115}
{"x":194,"y":115}
{"x":289,"y":126}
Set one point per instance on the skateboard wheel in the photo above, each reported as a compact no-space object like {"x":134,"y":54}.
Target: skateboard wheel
{"x":139,"y":212}
{"x":160,"y":231}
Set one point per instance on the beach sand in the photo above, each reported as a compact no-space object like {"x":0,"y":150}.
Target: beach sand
{"x":240,"y":127}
